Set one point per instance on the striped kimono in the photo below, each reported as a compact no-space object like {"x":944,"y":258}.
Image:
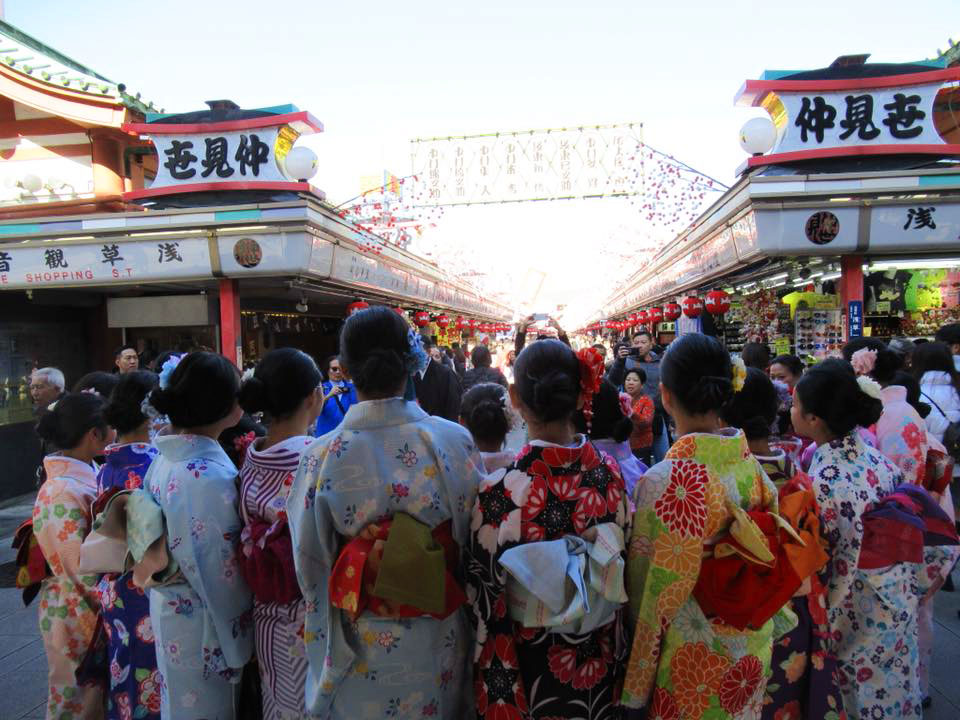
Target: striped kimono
{"x":265,"y":481}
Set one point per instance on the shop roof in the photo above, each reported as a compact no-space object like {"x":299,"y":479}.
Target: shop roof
{"x":28,"y":56}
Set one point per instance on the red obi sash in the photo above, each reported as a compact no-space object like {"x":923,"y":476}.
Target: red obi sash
{"x":266,"y":562}
{"x":356,"y":571}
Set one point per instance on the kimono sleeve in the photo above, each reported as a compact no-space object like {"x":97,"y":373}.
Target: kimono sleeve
{"x":663,"y":562}
{"x":204,"y":529}
{"x":61,"y":520}
{"x":643,"y":417}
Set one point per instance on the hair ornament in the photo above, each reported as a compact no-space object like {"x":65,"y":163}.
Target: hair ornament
{"x":863,"y":361}
{"x":739,"y":374}
{"x":167,"y":370}
{"x":591,"y":377}
{"x":415,"y":359}
{"x":148,"y":410}
{"x":91,"y":391}
{"x":870,"y":386}
{"x":626,"y":404}
{"x":247,"y":375}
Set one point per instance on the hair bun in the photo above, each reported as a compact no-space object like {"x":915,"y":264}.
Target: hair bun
{"x":160,"y":401}
{"x":555,"y":395}
{"x":711,"y":392}
{"x":868,"y":410}
{"x":253,"y":396}
{"x":378,"y":365}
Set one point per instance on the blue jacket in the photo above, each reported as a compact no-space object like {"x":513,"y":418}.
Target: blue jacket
{"x":332,"y":414}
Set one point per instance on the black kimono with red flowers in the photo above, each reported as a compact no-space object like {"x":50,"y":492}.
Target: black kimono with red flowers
{"x":546,"y":493}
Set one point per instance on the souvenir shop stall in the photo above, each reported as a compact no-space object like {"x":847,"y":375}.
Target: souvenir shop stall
{"x":835,"y":228}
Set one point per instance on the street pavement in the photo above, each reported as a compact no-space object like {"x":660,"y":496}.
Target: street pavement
{"x":23,"y":665}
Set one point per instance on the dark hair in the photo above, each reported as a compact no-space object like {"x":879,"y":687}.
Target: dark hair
{"x":949,"y":334}
{"x":756,"y":355}
{"x":830,"y":391}
{"x":639,"y":372}
{"x":103,"y":382}
{"x":202,"y":390}
{"x":754,"y":408}
{"x":231,"y":438}
{"x":860,"y":343}
{"x":480,"y":356}
{"x":280,"y":383}
{"x":638,"y":333}
{"x":123,"y":412}
{"x":908,"y":381}
{"x":373,"y":346}
{"x":791,"y":363}
{"x":601,"y":347}
{"x":547,"y":378}
{"x":483,"y":411}
{"x":888,"y":362}
{"x":74,"y":415}
{"x":427,"y":342}
{"x":697,"y":371}
{"x":608,"y":420}
{"x":933,"y":357}
{"x":162,"y":358}
{"x":119,"y":351}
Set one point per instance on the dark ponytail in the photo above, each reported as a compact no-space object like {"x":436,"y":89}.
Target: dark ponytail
{"x":696,"y":369}
{"x":74,"y":415}
{"x":484,"y":413}
{"x":830,"y":391}
{"x":282,"y":380}
{"x":608,"y":420}
{"x":754,"y":408}
{"x":123,"y":411}
{"x":547,"y":378}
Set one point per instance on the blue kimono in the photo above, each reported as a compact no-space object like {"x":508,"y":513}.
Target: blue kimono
{"x":126,"y":608}
{"x":387,"y":457}
{"x":203,"y":623}
{"x":333,"y":413}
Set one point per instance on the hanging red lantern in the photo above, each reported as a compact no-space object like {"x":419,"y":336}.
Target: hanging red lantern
{"x":671,"y":311}
{"x":400,"y":311}
{"x":634,"y":319}
{"x":443,"y":322}
{"x":421,"y":319}
{"x":610,"y":324}
{"x":462,"y":323}
{"x":473,"y":324}
{"x":718,"y":302}
{"x":656,"y":315}
{"x":643,"y":317}
{"x":692,"y":306}
{"x":356,"y":307}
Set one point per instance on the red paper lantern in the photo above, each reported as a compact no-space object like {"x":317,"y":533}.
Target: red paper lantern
{"x":671,"y":311}
{"x":634,"y":319}
{"x":656,"y":315}
{"x":473,"y":323}
{"x":400,"y":311}
{"x":610,"y":324}
{"x":356,"y":307}
{"x":643,"y":317}
{"x":421,"y":319}
{"x":717,"y":302}
{"x":692,"y":306}
{"x":462,"y":323}
{"x":443,"y":322}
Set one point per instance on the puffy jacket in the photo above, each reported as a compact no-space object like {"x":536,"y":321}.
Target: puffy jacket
{"x":937,"y":390}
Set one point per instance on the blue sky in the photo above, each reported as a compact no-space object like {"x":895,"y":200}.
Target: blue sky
{"x":379,"y":73}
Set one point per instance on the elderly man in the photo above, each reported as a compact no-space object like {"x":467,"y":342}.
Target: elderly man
{"x":46,"y":387}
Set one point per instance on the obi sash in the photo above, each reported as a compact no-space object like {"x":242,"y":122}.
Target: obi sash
{"x":32,"y":567}
{"x":130,"y":533}
{"x":753,"y":569}
{"x":398,"y":568}
{"x":266,"y":561}
{"x":897,"y":528}
{"x":570,"y":585}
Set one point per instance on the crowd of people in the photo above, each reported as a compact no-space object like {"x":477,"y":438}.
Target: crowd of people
{"x":684,"y":534}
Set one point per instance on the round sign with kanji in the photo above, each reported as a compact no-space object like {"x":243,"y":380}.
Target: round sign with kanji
{"x":822,"y":227}
{"x":247,"y":252}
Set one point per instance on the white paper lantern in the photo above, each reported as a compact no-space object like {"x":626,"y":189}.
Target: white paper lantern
{"x":31,"y":183}
{"x":758,"y":135}
{"x":301,"y":163}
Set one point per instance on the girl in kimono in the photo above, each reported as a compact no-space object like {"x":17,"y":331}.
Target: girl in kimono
{"x":804,"y":679}
{"x":546,"y":646}
{"x":285,"y":386}
{"x":484,"y":412}
{"x":683,"y":662}
{"x":202,"y":617}
{"x":872,"y":614}
{"x":61,"y":520}
{"x":125,"y":608}
{"x":379,"y":511}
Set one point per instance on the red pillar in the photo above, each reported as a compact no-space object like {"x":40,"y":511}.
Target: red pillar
{"x":230,"y":333}
{"x":851,"y":286}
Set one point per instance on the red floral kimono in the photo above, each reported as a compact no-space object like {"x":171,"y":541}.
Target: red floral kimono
{"x":549,"y":493}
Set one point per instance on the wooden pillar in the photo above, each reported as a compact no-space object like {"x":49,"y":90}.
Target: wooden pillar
{"x":107,"y":164}
{"x":230,"y":327}
{"x":851,"y":288}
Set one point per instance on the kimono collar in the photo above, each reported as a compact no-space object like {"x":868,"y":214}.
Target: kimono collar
{"x":382,"y":413}
{"x":727,"y":446}
{"x":58,"y":465}
{"x":893,"y":394}
{"x":176,"y":448}
{"x":777,"y":457}
{"x":128,"y":450}
{"x":849,"y":442}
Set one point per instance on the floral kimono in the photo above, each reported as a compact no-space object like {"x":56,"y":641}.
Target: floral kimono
{"x":68,"y":600}
{"x":202,"y":621}
{"x":681,"y":664}
{"x":134,"y":690}
{"x":265,"y":482}
{"x":902,"y":434}
{"x":547,"y":668}
{"x":387,"y":458}
{"x":872,"y":614}
{"x":805,"y":681}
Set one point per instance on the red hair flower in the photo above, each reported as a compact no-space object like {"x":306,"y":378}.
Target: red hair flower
{"x":591,"y":377}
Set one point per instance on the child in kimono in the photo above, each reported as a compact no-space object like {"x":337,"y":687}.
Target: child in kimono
{"x":286,"y":387}
{"x":202,"y":617}
{"x":125,"y":608}
{"x":61,"y":520}
{"x":484,"y":412}
{"x":547,"y":554}
{"x":378,"y":514}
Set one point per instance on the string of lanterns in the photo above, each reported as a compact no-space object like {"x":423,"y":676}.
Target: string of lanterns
{"x":717,"y":303}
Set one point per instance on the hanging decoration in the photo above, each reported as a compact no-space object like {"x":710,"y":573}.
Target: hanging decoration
{"x":671,"y":311}
{"x":443,"y":322}
{"x":692,"y":306}
{"x":401,"y":312}
{"x":356,"y":307}
{"x":656,"y":315}
{"x":421,"y":318}
{"x":718,"y":302}
{"x":634,"y":320}
{"x":643,"y":317}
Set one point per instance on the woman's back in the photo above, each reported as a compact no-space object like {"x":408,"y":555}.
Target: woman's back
{"x":937,"y":389}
